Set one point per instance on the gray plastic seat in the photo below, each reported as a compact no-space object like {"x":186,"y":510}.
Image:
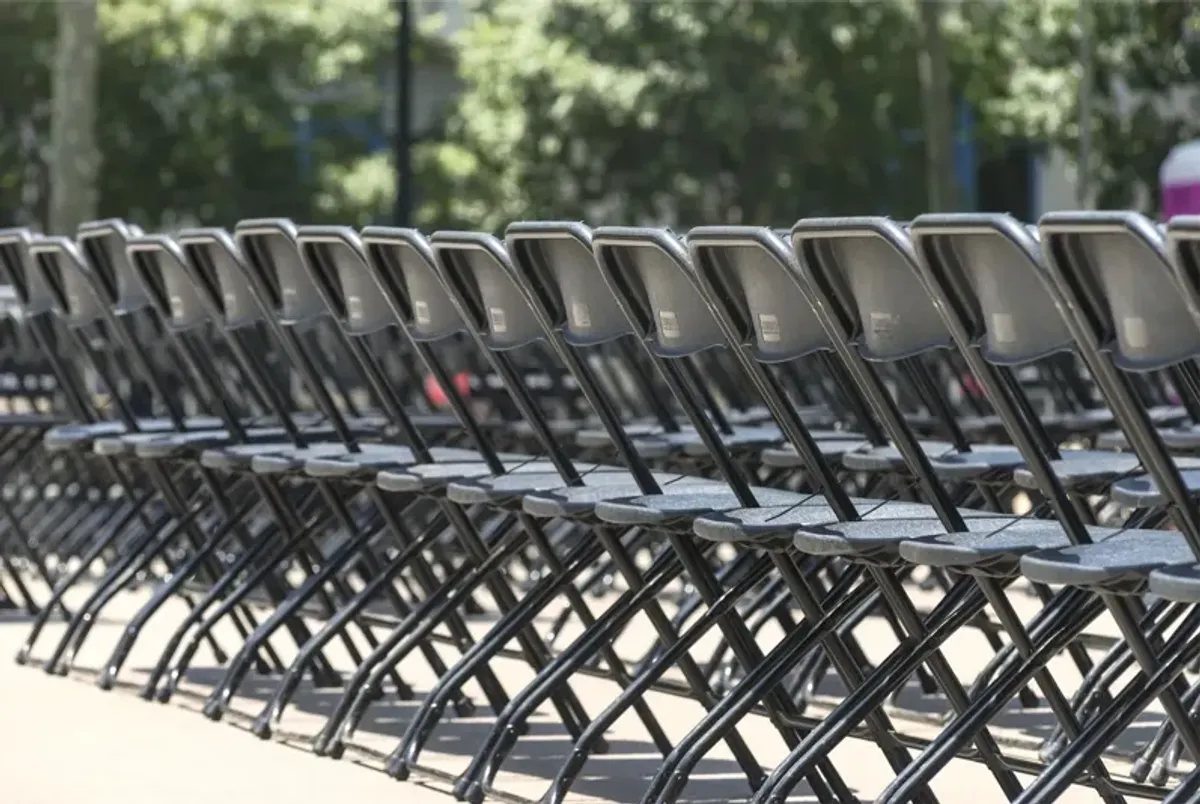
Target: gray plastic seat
{"x":870,"y":458}
{"x":1179,"y":583}
{"x":878,"y":540}
{"x":180,"y":445}
{"x":1143,"y":491}
{"x":431,"y":478}
{"x":367,"y":464}
{"x":991,"y":546}
{"x":1079,"y":468}
{"x":776,"y":525}
{"x":786,"y":456}
{"x":509,"y":491}
{"x":577,"y":502}
{"x":679,"y":510}
{"x":82,"y":436}
{"x":1185,"y":438}
{"x":1121,"y":563}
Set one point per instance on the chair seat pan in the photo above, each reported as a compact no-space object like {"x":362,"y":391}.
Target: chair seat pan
{"x":293,"y":459}
{"x":1185,"y":437}
{"x":429,"y":477}
{"x":151,"y":446}
{"x":879,"y":538}
{"x":753,"y":525}
{"x":985,"y":460}
{"x":870,"y":458}
{"x":370,"y":462}
{"x":1124,"y":560}
{"x":506,"y":490}
{"x":677,"y":508}
{"x":1143,"y":491}
{"x":81,"y":436}
{"x":1180,"y":583}
{"x":1090,"y":467}
{"x":577,"y":501}
{"x":998,"y":543}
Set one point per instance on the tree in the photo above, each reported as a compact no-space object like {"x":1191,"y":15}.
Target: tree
{"x":74,"y":160}
{"x":687,"y":112}
{"x":198,"y":105}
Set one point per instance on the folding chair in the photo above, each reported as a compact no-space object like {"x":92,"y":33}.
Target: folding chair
{"x":1123,"y":305}
{"x":247,"y":295}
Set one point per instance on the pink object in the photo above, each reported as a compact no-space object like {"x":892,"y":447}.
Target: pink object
{"x":437,"y":396}
{"x":1179,"y":180}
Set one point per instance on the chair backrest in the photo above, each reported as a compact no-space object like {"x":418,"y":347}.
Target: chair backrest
{"x":337,"y":263}
{"x":990,"y":267}
{"x":751,"y":271}
{"x":559,"y":266}
{"x":405,"y":272}
{"x":647,"y":271}
{"x":478,"y":269}
{"x":271,"y":247}
{"x":1183,"y":254}
{"x":1116,"y":269}
{"x":159,"y":264}
{"x":218,"y":270}
{"x":28,"y":283}
{"x":864,"y":267}
{"x":103,"y":245}
{"x":68,"y":276}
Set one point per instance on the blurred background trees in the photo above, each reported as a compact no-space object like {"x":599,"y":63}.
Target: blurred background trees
{"x":675,"y":111}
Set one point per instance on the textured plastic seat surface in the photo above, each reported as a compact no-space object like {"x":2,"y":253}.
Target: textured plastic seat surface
{"x":657,"y":509}
{"x":877,"y":538}
{"x":997,"y":543}
{"x":1091,"y":467}
{"x":1126,"y":558}
{"x":743,"y":437}
{"x":1184,"y":437}
{"x":370,"y":462}
{"x":750,"y":525}
{"x":80,"y":436}
{"x":178,"y":444}
{"x":1180,"y":583}
{"x":507,"y":489}
{"x":598,"y":437}
{"x":1142,"y":491}
{"x":574,"y":501}
{"x":785,"y":456}
{"x":292,"y":458}
{"x":889,"y":459}
{"x":985,"y":460}
{"x":428,"y":477}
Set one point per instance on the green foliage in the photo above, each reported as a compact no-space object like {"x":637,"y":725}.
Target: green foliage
{"x":728,"y":111}
{"x":198,"y":102}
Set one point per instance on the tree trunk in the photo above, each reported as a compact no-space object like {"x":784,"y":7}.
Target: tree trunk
{"x":937,"y":104}
{"x":74,"y":161}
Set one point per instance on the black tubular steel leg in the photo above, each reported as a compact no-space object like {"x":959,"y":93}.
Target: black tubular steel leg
{"x":674,"y":655}
{"x":958,"y":607}
{"x":676,"y":768}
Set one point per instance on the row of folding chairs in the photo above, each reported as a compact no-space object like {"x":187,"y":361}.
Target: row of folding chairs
{"x":717,"y":466}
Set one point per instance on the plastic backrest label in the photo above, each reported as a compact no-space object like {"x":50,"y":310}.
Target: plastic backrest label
{"x":581,"y":316}
{"x":1003,"y":329}
{"x":668,"y":324}
{"x":354,"y":307}
{"x":231,"y":304}
{"x":498,"y":320}
{"x":177,"y":310}
{"x":421,"y":311}
{"x":768,"y":328}
{"x":1136,"y":336}
{"x":883,"y":325}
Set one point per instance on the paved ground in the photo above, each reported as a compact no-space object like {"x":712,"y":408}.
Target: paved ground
{"x":64,"y":740}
